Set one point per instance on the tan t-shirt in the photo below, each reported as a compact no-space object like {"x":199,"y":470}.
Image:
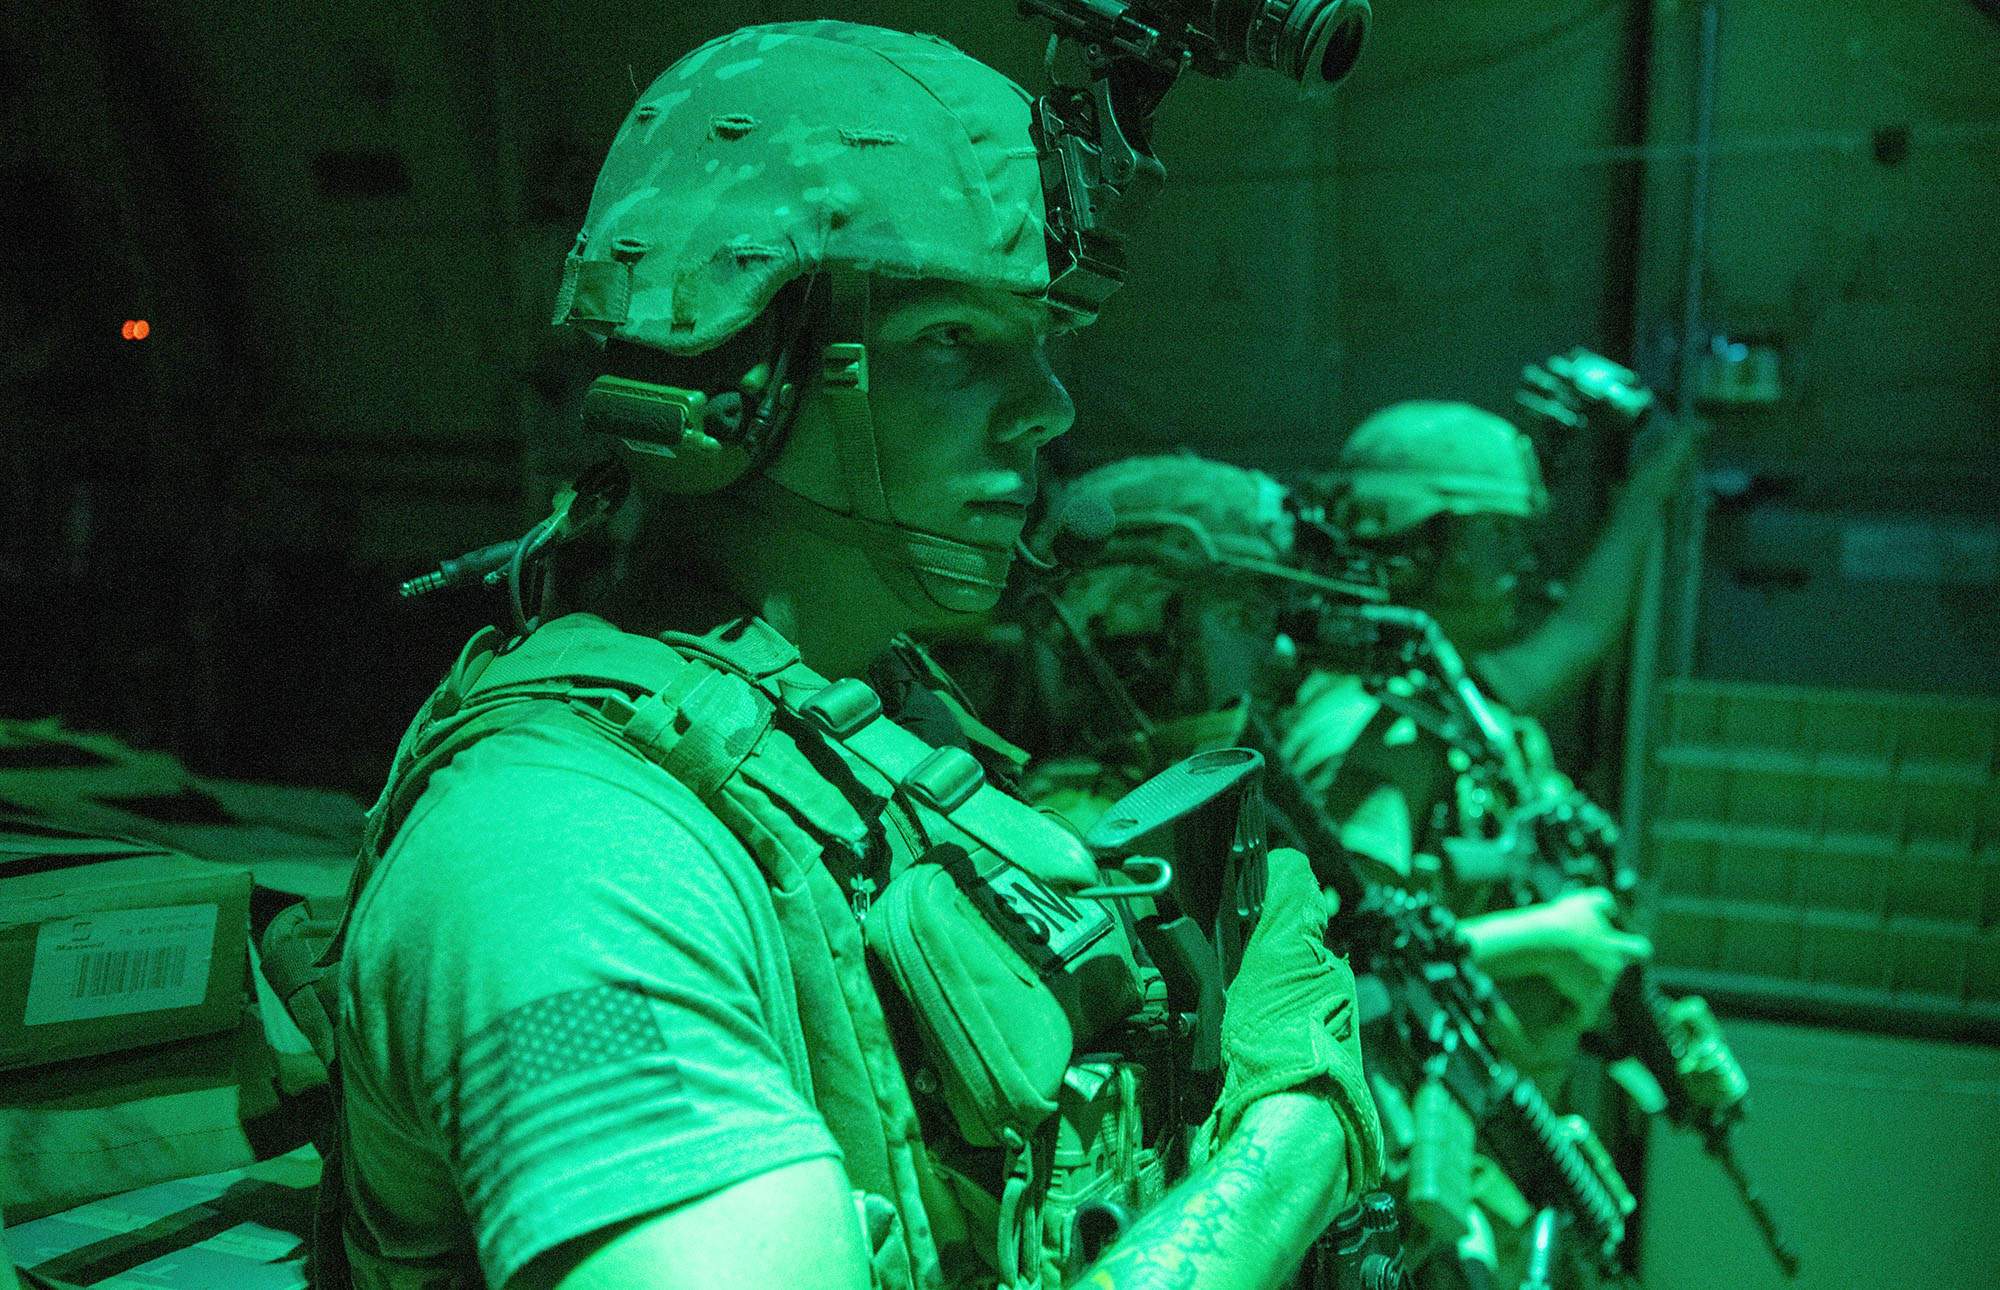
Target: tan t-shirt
{"x":565,"y":1004}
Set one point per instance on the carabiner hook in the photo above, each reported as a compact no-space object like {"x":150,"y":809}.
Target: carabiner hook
{"x":1163,"y":875}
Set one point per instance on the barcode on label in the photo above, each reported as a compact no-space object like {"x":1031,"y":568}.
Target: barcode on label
{"x":130,"y":971}
{"x":120,"y":961}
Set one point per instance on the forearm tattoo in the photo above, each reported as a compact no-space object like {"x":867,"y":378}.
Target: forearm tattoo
{"x":1199,"y":1235}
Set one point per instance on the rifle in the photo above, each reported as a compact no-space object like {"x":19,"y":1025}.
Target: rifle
{"x":1431,"y":999}
{"x":1550,"y":842}
{"x":1201,"y":824}
{"x":1431,"y":1010}
{"x":1680,"y":1043}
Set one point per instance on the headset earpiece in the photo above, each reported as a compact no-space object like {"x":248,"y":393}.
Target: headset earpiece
{"x":656,"y":419}
{"x":686,"y":439}
{"x":691,"y":442}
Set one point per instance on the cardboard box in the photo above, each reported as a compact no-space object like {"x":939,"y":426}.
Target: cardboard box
{"x":242,"y":1228}
{"x":108,"y":944}
{"x":295,"y":840}
{"x":80,"y":1130}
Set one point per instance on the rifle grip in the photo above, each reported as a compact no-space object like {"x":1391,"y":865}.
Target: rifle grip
{"x":1193,"y":978}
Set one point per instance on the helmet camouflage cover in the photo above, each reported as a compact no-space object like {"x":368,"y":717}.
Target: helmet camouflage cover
{"x":1172,"y":516}
{"x":778,"y":151}
{"x":1414,"y":460}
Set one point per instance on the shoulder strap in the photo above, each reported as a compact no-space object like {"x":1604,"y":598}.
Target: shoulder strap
{"x":1000,"y":756}
{"x":948,"y":783}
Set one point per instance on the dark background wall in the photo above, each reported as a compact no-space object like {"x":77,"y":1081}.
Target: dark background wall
{"x":344,"y":224}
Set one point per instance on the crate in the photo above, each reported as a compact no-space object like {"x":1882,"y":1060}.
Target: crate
{"x":1829,"y":853}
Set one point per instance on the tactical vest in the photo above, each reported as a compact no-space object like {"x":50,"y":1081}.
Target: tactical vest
{"x":1456,"y":845}
{"x":873,"y":842}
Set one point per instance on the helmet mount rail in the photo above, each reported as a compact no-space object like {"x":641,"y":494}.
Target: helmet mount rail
{"x":715,"y":425}
{"x":1180,"y":543}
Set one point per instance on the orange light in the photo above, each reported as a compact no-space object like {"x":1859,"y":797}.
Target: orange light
{"x":141,"y":329}
{"x":126,"y":330}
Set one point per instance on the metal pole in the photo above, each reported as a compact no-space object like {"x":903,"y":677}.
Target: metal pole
{"x":1704,"y":142}
{"x":1646,"y":626}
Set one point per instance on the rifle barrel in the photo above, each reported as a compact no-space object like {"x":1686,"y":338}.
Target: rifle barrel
{"x":1720,"y":1145}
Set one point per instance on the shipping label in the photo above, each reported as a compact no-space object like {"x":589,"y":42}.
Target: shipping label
{"x":121,"y":961}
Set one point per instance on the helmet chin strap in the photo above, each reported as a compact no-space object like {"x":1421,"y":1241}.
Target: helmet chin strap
{"x":927,"y":572}
{"x":930,"y":574}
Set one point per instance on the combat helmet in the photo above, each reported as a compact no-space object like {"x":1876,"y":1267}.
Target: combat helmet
{"x":1174,"y":519}
{"x":1412,"y":461}
{"x":816,"y":151}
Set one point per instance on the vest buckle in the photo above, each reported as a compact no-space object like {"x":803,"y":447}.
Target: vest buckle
{"x":842,"y":707}
{"x":845,"y":366}
{"x":945,"y":779}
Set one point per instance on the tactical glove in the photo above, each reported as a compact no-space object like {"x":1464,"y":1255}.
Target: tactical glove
{"x":1291,"y":1018}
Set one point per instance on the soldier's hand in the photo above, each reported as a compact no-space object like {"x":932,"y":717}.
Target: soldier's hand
{"x":1291,"y":1020}
{"x":1710,"y":1074}
{"x":1570,"y":942}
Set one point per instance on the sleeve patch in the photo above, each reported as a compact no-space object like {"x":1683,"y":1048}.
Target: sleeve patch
{"x":568,"y":1034}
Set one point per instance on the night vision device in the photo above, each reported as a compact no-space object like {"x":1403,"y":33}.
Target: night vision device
{"x":1111,"y":62}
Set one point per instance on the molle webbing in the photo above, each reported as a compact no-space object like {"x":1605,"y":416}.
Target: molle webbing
{"x":947,"y":786}
{"x":716,"y":734}
{"x":732,"y":715}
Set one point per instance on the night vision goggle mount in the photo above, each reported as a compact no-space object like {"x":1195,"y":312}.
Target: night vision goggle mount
{"x":1111,"y":63}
